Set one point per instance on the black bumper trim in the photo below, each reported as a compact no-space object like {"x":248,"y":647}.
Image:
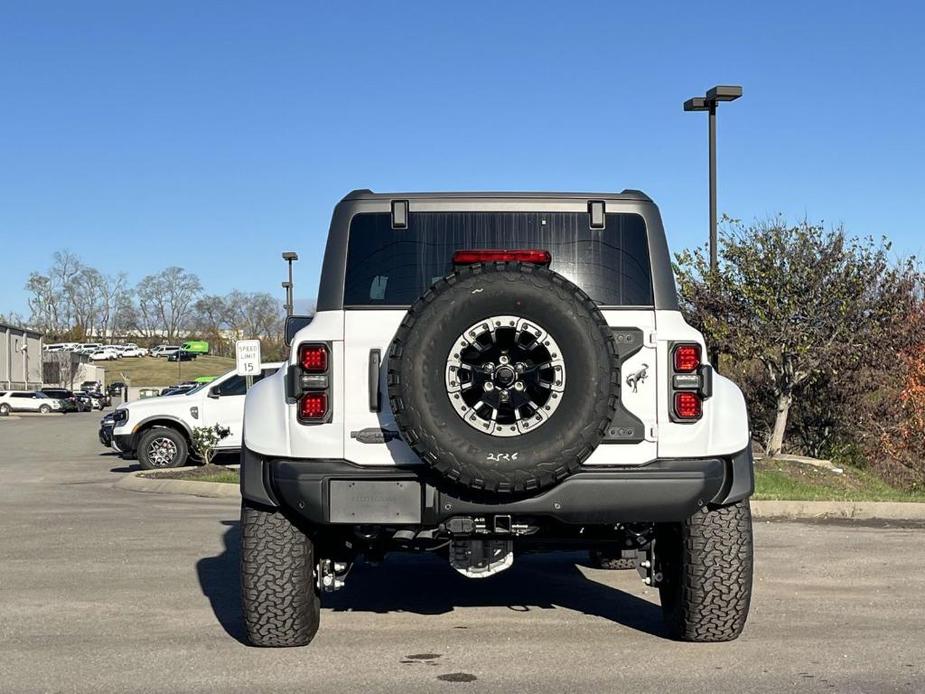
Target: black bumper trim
{"x":105,"y":435}
{"x":662,"y":491}
{"x":741,"y":477}
{"x":125,"y":442}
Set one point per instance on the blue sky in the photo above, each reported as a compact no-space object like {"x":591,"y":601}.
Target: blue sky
{"x":214,"y":135}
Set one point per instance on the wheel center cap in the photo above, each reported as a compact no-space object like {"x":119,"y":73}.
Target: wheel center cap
{"x":505,"y":376}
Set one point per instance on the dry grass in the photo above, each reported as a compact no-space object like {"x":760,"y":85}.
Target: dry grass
{"x":148,"y":371}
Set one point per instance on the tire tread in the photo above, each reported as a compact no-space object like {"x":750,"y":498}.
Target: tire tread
{"x":281,"y":602}
{"x":709,"y":579}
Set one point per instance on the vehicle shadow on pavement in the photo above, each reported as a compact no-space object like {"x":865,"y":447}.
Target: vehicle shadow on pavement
{"x":220,"y":583}
{"x":425,"y":584}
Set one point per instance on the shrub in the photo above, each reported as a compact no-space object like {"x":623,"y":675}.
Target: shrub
{"x":206,"y":439}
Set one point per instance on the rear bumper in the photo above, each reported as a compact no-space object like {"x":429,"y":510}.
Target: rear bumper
{"x":327,"y":492}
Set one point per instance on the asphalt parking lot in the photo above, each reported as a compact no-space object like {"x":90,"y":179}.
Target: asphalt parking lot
{"x":103,"y":589}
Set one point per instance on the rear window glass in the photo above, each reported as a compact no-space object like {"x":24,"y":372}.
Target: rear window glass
{"x":393,"y":267}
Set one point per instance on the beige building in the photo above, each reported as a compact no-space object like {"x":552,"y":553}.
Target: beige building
{"x":20,"y":358}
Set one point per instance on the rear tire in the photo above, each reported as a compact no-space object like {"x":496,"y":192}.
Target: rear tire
{"x":44,"y":409}
{"x":161,"y":448}
{"x":279,"y":593}
{"x":706,"y":563}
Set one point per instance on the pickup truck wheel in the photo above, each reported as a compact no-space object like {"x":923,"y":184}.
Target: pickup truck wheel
{"x":280,"y":596}
{"x":4,"y":409}
{"x":161,"y":447}
{"x":706,"y":565}
{"x":503,"y":378}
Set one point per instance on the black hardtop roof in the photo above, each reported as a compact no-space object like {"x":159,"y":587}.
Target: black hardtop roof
{"x":628,"y":194}
{"x":333,"y":269}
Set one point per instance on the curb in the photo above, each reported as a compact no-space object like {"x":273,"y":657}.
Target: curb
{"x":763,"y":510}
{"x":134,"y":482}
{"x":855,"y":510}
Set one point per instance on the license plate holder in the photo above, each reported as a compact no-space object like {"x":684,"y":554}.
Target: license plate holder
{"x":374,"y":501}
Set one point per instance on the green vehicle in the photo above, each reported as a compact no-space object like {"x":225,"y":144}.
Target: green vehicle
{"x":204,"y":379}
{"x":196,"y":347}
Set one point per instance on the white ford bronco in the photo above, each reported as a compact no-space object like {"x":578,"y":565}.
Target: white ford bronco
{"x":488,"y":374}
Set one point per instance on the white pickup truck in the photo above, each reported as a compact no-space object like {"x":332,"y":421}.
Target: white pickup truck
{"x":158,"y":431}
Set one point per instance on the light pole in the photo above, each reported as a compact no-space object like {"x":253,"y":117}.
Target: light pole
{"x":708,"y":103}
{"x":289,"y":257}
{"x":288,"y":305}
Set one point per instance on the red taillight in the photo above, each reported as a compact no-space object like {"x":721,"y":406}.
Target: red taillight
{"x":687,"y":405}
{"x":310,"y":383}
{"x":494,"y":255}
{"x":314,"y":358}
{"x":313,"y":405}
{"x":686,"y":358}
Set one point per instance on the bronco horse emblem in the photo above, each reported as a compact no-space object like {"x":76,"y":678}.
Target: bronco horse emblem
{"x":637,"y":377}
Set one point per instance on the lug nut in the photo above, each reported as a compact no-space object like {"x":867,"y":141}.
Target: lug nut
{"x":519,"y":385}
{"x":489,"y":386}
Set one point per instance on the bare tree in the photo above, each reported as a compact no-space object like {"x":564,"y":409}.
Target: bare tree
{"x":210,"y":321}
{"x":166,"y":300}
{"x":14,"y":318}
{"x":211,"y":314}
{"x":44,"y":304}
{"x":125,"y":316}
{"x":254,"y":315}
{"x":86,"y":290}
{"x":112,"y":297}
{"x":66,"y":266}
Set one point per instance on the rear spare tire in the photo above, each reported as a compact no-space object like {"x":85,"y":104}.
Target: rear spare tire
{"x":503,"y":377}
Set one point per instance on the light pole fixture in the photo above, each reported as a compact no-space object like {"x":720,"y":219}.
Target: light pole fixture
{"x":708,"y":103}
{"x":289,"y":257}
{"x":288,"y":305}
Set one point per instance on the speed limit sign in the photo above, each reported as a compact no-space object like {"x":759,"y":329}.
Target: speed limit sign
{"x":247,"y":357}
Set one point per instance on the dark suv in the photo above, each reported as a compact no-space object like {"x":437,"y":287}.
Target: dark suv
{"x":69,"y":401}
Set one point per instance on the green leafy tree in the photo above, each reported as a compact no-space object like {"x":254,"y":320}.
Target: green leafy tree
{"x":806,"y":302}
